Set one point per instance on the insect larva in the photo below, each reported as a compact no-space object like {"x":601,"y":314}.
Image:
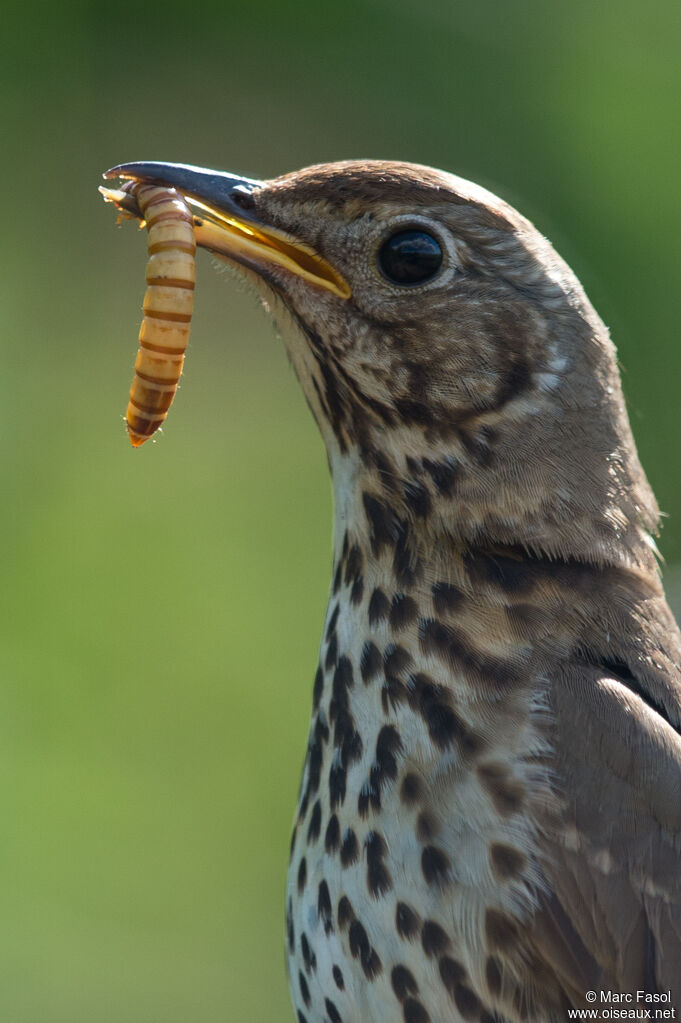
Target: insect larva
{"x":168,"y":307}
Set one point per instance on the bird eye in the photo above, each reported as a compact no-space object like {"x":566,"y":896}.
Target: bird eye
{"x":410,"y":257}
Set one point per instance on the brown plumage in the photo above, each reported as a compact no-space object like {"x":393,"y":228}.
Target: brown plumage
{"x":489,"y":823}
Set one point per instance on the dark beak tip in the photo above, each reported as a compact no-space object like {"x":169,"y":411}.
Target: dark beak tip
{"x":113,"y":172}
{"x":147,"y":170}
{"x":142,"y":170}
{"x":213,"y":187}
{"x":182,"y":175}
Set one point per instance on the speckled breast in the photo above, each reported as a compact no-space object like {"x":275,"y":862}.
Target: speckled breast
{"x":412,"y":854}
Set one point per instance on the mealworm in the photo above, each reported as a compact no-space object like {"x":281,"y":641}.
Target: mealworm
{"x":168,"y":304}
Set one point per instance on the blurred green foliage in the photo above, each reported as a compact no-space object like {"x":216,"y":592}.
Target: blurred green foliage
{"x":161,"y":608}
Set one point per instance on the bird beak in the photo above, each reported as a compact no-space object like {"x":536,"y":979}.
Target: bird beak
{"x":225,"y":225}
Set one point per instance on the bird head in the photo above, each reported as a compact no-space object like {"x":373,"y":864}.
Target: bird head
{"x":461,"y":380}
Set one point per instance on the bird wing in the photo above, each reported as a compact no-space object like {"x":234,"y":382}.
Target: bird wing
{"x":611,"y":919}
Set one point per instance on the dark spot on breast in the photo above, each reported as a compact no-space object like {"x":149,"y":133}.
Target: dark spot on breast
{"x":388,"y":745}
{"x":434,"y":939}
{"x":446,"y":597}
{"x":452,"y":973}
{"x":414,"y":412}
{"x":510,"y":574}
{"x":403,"y":611}
{"x":507,"y":862}
{"x":433,"y":637}
{"x":517,"y":379}
{"x":334,"y":405}
{"x":324,"y":906}
{"x":403,"y":982}
{"x":330,"y":629}
{"x":338,"y":978}
{"x":445,"y":727}
{"x":411,"y":789}
{"x":501,"y":931}
{"x":302,"y":875}
{"x":337,"y":780}
{"x":417,"y":499}
{"x":342,"y":679}
{"x":493,"y":974}
{"x":467,"y":1002}
{"x":379,"y":881}
{"x":478,"y":446}
{"x":332,"y":1012}
{"x":506,"y":792}
{"x":370,"y":661}
{"x":345,"y":912}
{"x":331,"y":652}
{"x":369,"y":795}
{"x":457,"y":652}
{"x":348,"y":739}
{"x":393,"y":693}
{"x":290,"y":930}
{"x":435,"y":865}
{"x":384,"y":465}
{"x":379,"y":408}
{"x":379,"y":607}
{"x":406,"y":565}
{"x":301,"y":1017}
{"x":414,"y":1012}
{"x":305,"y":949}
{"x":353,"y":564}
{"x":361,"y":949}
{"x":349,"y":849}
{"x":357,"y":591}
{"x":321,"y":730}
{"x":373,"y":966}
{"x":304,"y":990}
{"x":315,"y":823}
{"x":406,"y":921}
{"x":337,"y":578}
{"x":317,"y":688}
{"x":443,"y":475}
{"x":395,"y":659}
{"x":382,"y":522}
{"x":332,"y":836}
{"x":314,"y":768}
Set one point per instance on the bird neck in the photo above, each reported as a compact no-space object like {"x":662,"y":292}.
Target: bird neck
{"x":434,"y":494}
{"x":462,"y":600}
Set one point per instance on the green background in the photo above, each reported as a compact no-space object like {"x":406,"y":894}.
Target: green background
{"x":161,"y":608}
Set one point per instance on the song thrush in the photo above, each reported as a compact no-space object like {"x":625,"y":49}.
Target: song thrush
{"x":489,"y":822}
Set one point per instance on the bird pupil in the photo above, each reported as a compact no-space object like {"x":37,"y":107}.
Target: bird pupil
{"x":410,"y":257}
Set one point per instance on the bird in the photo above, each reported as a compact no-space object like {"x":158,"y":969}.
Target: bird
{"x":489,"y":819}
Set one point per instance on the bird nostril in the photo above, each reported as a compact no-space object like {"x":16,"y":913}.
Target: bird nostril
{"x":242,"y":197}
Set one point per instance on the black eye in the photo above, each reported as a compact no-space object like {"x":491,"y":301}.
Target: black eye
{"x":410,"y":257}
